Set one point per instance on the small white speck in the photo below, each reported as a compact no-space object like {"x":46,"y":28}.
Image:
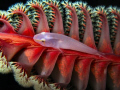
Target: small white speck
{"x":43,"y":33}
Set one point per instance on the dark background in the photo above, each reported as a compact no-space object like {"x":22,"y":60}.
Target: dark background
{"x":7,"y":81}
{"x":4,"y":4}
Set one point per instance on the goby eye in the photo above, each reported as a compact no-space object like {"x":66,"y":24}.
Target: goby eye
{"x":42,"y":40}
